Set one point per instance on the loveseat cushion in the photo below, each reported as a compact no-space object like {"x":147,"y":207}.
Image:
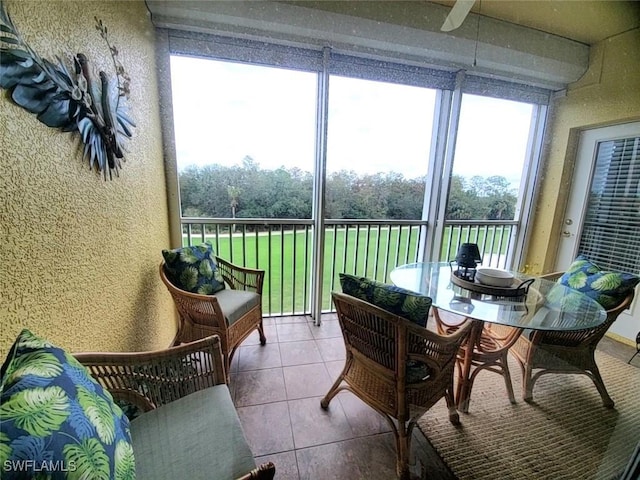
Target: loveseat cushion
{"x":196,"y":437}
{"x":57,"y":421}
{"x":235,"y":303}
{"x":193,"y":269}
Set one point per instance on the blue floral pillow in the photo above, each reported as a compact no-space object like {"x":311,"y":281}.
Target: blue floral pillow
{"x":609,"y":289}
{"x":404,"y":303}
{"x":193,"y":269}
{"x":57,"y":421}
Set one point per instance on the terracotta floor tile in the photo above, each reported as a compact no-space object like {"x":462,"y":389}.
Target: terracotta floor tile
{"x":267,"y":428}
{"x":311,"y":425}
{"x":258,"y":357}
{"x":255,"y":387}
{"x":294,"y":332}
{"x":302,"y":381}
{"x":299,"y":353}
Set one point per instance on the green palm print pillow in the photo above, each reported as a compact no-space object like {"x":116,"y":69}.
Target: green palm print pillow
{"x":57,"y":422}
{"x":404,"y":303}
{"x":609,"y":289}
{"x":193,"y":269}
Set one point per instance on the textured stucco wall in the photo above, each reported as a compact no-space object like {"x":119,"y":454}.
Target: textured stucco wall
{"x":80,"y":255}
{"x":608,"y":93}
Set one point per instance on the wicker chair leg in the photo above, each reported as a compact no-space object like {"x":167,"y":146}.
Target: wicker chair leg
{"x":507,"y":378}
{"x":459,"y":382}
{"x":403,"y":449}
{"x":454,"y":416}
{"x":527,"y":383}
{"x":597,"y":380}
{"x":333,"y":391}
{"x":263,"y":339}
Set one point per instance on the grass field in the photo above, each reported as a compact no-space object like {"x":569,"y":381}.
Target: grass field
{"x":368,"y":251}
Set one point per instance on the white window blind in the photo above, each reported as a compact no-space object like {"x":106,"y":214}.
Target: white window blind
{"x":611,"y":230}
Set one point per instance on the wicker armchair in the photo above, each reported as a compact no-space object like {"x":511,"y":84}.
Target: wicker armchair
{"x":204,"y":315}
{"x":564,"y":352}
{"x":150,"y":380}
{"x":378,"y":346}
{"x":489,"y":344}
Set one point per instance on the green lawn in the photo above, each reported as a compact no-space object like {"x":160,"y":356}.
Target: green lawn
{"x":372,"y":252}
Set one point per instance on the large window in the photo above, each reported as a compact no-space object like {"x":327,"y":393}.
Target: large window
{"x":244,"y":139}
{"x":309,"y":163}
{"x":490,"y":154}
{"x":379,"y":138}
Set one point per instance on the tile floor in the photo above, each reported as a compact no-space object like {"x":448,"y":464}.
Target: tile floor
{"x":277,"y":390}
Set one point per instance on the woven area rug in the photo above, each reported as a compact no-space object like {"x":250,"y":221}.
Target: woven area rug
{"x":565,"y":434}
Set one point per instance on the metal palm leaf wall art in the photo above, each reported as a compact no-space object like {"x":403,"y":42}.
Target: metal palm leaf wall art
{"x":70,"y":98}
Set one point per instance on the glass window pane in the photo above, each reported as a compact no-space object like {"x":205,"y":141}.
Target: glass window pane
{"x":379,"y":137}
{"x":245,"y":138}
{"x":490,"y":154}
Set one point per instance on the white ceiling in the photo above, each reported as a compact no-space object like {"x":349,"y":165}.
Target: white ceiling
{"x":585,"y":21}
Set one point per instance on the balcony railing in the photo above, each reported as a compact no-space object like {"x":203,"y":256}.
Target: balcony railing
{"x":371,"y":248}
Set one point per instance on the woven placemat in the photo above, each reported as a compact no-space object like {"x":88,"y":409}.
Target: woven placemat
{"x":565,"y":434}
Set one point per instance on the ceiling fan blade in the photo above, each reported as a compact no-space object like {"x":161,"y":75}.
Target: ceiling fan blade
{"x":457,"y":15}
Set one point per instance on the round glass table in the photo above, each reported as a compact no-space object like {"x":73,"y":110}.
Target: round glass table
{"x":547,"y":305}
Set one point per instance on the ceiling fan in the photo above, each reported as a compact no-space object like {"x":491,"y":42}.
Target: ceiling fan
{"x":457,"y":15}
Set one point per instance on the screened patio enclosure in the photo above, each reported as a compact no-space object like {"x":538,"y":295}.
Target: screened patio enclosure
{"x":369,"y":121}
{"x":328,"y":161}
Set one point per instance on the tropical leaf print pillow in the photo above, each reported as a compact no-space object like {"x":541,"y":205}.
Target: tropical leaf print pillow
{"x":56,"y":421}
{"x":404,"y":303}
{"x":193,"y":269}
{"x":609,"y":289}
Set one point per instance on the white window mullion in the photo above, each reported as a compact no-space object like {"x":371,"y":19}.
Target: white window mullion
{"x":447,"y":167}
{"x":319,"y":181}
{"x":431,"y":234}
{"x":528,"y":186}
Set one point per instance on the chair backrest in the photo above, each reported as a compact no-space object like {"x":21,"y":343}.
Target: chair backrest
{"x":390,"y":340}
{"x":197,"y":308}
{"x":369,"y":330}
{"x":589,"y":336}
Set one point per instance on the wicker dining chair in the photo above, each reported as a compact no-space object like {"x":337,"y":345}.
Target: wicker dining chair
{"x":398,"y":368}
{"x":233,"y":313}
{"x":489,"y":344}
{"x":564,"y":352}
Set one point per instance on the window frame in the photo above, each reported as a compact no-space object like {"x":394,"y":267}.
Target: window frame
{"x":324,"y":61}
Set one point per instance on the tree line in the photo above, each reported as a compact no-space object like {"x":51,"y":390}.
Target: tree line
{"x":247,"y":191}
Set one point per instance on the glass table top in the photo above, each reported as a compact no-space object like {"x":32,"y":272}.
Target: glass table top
{"x":547,"y":306}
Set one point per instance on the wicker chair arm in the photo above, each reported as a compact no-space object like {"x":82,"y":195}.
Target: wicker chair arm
{"x":434,"y":349}
{"x":241,"y":278}
{"x":447,"y":328}
{"x":152,"y":379}
{"x":266,"y":471}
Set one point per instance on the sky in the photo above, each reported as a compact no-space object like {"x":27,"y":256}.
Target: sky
{"x":225,"y":111}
